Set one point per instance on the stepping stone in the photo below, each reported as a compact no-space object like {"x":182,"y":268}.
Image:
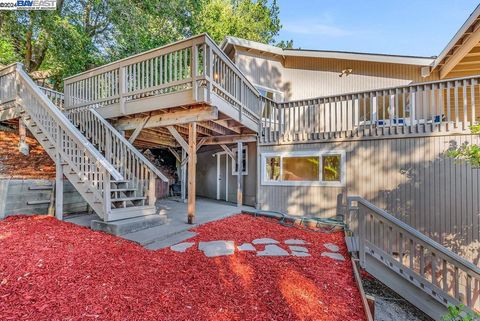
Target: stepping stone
{"x":335,"y":256}
{"x":246,"y":247}
{"x":298,"y":248}
{"x":294,"y":253}
{"x":265,"y":240}
{"x":272,"y":250}
{"x":217,"y":248}
{"x":181,"y":247}
{"x":295,"y":242}
{"x":331,"y":247}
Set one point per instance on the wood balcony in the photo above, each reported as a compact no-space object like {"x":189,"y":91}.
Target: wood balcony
{"x":190,"y":80}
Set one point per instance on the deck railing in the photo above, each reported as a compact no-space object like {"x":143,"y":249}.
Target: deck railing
{"x":196,"y":64}
{"x":421,"y":108}
{"x":56,"y":97}
{"x":444,"y":275}
{"x":140,"y":173}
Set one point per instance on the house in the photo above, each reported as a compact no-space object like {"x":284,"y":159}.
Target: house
{"x":289,"y":130}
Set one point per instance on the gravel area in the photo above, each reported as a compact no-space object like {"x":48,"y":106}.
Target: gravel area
{"x":388,"y":304}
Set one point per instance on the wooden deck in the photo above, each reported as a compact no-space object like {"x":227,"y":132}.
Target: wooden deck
{"x":187,"y":81}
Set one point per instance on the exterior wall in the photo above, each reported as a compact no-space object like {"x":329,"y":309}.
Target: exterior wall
{"x":301,"y":78}
{"x":16,"y":194}
{"x":207,"y":175}
{"x":409,"y":177}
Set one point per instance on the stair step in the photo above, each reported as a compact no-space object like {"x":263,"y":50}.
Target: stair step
{"x":125,"y":222}
{"x":135,"y":198}
{"x":122,"y":189}
{"x":40,"y":188}
{"x":122,"y":181}
{"x":38,"y":202}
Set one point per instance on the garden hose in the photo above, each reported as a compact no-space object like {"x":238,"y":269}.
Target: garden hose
{"x":313,"y":224}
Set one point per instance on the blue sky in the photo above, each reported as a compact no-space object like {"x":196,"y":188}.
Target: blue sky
{"x":404,"y":27}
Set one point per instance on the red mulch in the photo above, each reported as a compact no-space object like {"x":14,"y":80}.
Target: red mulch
{"x":52,"y":270}
{"x":13,"y":164}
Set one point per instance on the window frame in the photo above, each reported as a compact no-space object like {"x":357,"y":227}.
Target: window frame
{"x":266,"y":182}
{"x":234,"y":163}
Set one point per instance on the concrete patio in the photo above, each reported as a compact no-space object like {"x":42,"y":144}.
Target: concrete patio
{"x":175,"y":229}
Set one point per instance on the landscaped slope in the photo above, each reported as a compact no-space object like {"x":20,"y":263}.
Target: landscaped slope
{"x":13,"y":164}
{"x":52,"y":270}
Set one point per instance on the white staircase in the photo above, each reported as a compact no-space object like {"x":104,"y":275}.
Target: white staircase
{"x":110,"y":174}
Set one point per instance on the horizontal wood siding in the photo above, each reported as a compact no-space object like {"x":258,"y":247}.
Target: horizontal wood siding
{"x":409,"y":178}
{"x":302,"y":78}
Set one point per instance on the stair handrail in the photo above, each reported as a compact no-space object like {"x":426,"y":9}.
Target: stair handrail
{"x":62,"y":121}
{"x":125,"y":142}
{"x":437,"y":290}
{"x":437,"y":246}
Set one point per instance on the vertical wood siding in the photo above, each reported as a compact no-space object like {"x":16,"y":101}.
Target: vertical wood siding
{"x":207,"y":175}
{"x":302,"y":78}
{"x":410,"y":178}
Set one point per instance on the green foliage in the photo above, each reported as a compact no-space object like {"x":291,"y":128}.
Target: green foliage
{"x":285,"y":44}
{"x":467,"y":152}
{"x":458,"y":313}
{"x":83,"y":34}
{"x":253,"y":20}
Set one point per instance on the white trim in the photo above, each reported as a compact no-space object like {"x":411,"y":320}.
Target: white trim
{"x":218,"y":175}
{"x":471,"y":19}
{"x":226,"y":177}
{"x":373,"y":57}
{"x":320,"y":182}
{"x":245,"y":169}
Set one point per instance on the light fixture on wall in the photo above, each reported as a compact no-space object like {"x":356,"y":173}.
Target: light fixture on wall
{"x":346,"y":72}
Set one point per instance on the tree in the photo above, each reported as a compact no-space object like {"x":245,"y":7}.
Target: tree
{"x":253,"y":20}
{"x":83,"y":34}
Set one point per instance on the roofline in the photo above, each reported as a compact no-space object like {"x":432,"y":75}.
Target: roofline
{"x":373,"y":57}
{"x":471,"y":19}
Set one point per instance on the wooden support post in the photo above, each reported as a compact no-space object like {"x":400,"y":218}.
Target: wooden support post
{"x":59,"y":177}
{"x":22,"y":133}
{"x":192,"y":160}
{"x":240,"y":174}
{"x":183,"y":176}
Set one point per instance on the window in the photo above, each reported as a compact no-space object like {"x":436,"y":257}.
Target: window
{"x":244,"y":163}
{"x":305,"y":168}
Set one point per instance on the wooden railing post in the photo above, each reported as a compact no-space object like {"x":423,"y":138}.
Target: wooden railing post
{"x":362,"y":231}
{"x":59,"y":175}
{"x":152,"y":184}
{"x":209,"y":73}
{"x":107,"y":201}
{"x":194,"y":66}
{"x":122,"y":89}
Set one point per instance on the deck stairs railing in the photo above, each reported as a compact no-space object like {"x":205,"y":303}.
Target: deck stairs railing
{"x":437,"y":271}
{"x":87,"y":161}
{"x":446,"y":106}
